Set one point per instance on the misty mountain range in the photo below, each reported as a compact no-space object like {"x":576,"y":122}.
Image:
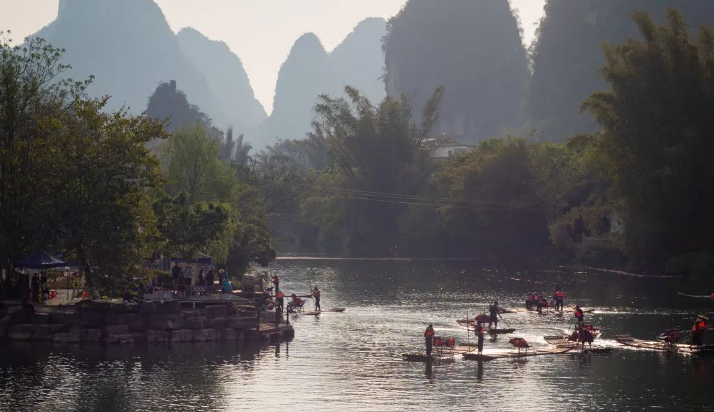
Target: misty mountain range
{"x":474,"y":48}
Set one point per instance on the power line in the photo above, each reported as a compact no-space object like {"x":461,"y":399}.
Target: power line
{"x":505,"y":207}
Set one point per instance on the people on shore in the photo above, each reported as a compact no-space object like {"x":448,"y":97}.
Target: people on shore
{"x":26,"y":304}
{"x":188,"y":275}
{"x":493,"y":314}
{"x":276,"y":282}
{"x":429,"y":339}
{"x":479,"y":331}
{"x":316,"y":296}
{"x":201,"y":281}
{"x":210,"y":278}
{"x":279,"y":300}
{"x":220,"y":277}
{"x":176,"y":272}
{"x":226,"y":285}
{"x":700,"y":326}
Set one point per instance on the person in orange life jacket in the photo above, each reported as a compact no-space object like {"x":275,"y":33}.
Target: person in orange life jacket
{"x":479,"y":331}
{"x":429,"y":339}
{"x":579,"y":315}
{"x":280,"y":299}
{"x":700,"y":326}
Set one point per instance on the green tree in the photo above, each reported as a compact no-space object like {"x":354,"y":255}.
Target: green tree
{"x":187,"y":229}
{"x":192,"y":165}
{"x":495,"y":211}
{"x":30,"y":89}
{"x":374,"y":149}
{"x":85,"y":189}
{"x":655,"y":143}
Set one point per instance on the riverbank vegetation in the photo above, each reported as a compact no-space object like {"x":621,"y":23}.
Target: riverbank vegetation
{"x":634,"y":195}
{"x":109,"y":189}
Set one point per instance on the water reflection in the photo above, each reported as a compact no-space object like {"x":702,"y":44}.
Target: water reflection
{"x":352,"y":361}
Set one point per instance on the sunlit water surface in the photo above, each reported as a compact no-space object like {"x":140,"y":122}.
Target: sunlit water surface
{"x":352,"y":361}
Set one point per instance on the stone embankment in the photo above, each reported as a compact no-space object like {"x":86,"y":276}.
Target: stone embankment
{"x":148,"y":322}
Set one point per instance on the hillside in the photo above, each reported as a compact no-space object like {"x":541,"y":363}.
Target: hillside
{"x":474,"y":49}
{"x":129,"y":47}
{"x":226,"y":78}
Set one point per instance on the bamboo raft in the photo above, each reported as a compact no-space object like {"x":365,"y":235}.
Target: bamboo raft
{"x":470,"y":324}
{"x":319,"y":312}
{"x":515,"y":355}
{"x":629,"y":341}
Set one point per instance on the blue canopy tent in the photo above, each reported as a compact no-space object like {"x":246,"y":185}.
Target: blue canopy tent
{"x":40,"y":260}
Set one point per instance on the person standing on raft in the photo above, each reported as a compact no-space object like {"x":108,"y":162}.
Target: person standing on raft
{"x":700,"y":326}
{"x":429,"y":339}
{"x":479,"y":331}
{"x":579,"y":315}
{"x":493,"y":314}
{"x":559,"y":296}
{"x":316,"y":295}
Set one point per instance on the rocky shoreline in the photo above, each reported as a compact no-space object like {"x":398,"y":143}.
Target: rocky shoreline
{"x":160,"y":322}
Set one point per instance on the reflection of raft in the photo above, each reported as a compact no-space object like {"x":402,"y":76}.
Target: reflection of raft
{"x":494,"y":356}
{"x":627,"y":340}
{"x":318,"y":312}
{"x":697,"y":296}
{"x":421,"y":357}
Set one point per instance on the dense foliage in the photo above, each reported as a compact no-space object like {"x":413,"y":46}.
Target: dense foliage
{"x":567,"y":55}
{"x":80,"y":180}
{"x":656,"y":141}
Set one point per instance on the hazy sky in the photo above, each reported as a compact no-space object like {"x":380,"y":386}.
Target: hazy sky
{"x":260,"y":32}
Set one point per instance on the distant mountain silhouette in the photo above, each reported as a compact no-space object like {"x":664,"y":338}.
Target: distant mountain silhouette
{"x":130,"y":48}
{"x":568,"y":55}
{"x":473,"y":49}
{"x":359,"y":61}
{"x":310,"y":71}
{"x":302,"y":78}
{"x":226,"y":77}
{"x":171,"y":105}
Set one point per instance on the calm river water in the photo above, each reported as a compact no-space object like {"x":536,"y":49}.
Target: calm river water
{"x":351,"y":361}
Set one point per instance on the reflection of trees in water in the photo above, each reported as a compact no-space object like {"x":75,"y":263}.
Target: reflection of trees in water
{"x":96,"y":377}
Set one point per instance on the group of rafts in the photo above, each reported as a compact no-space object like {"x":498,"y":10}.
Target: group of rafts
{"x":440,"y":349}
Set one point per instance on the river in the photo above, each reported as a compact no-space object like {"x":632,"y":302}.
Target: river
{"x":352,"y":361}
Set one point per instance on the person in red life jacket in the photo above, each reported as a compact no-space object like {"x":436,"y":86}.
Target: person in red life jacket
{"x":700,"y":326}
{"x":479,"y":331}
{"x":579,"y":315}
{"x":280,"y":300}
{"x":276,"y":282}
{"x":559,"y":296}
{"x":429,"y":339}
